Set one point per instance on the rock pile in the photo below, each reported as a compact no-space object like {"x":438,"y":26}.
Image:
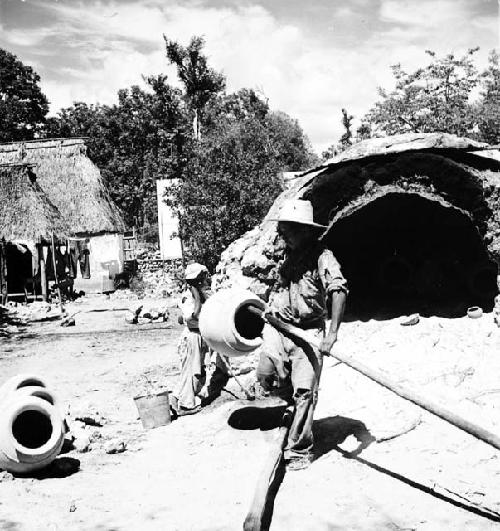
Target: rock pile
{"x":33,"y":312}
{"x":147,"y":314}
{"x":7,"y":329}
{"x":162,"y":282}
{"x":13,"y":316}
{"x":85,"y":432}
{"x":146,"y":256}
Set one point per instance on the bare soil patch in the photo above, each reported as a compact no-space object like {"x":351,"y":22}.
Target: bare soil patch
{"x":198,"y":473}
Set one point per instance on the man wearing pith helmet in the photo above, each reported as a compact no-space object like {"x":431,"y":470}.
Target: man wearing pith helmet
{"x":311,"y":290}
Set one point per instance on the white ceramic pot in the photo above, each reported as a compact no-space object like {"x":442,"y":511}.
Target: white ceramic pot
{"x":31,"y":433}
{"x":41,"y":392}
{"x":228,"y":326}
{"x":18,"y":381}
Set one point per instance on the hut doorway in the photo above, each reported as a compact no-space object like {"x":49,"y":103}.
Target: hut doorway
{"x":19,"y":268}
{"x":404,"y":253}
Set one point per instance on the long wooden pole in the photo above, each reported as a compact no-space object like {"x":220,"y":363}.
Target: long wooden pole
{"x":410,"y":395}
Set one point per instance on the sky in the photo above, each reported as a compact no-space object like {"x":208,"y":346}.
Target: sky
{"x":309,"y":58}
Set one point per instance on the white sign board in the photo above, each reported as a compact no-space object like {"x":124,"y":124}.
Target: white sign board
{"x":168,"y":223}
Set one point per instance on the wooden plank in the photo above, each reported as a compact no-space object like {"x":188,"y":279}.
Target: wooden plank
{"x":257,"y":516}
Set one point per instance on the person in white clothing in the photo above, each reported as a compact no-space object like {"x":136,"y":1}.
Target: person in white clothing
{"x":203,"y":371}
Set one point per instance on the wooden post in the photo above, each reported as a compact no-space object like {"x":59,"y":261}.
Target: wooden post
{"x":3,"y":273}
{"x":43,"y":274}
{"x":72,"y":285}
{"x":54,"y":263}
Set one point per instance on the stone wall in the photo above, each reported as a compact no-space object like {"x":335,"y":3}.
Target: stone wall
{"x":158,"y":277}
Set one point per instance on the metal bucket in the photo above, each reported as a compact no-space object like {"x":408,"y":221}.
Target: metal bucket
{"x":154,"y":410}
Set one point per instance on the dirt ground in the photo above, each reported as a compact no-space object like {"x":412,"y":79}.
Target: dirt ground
{"x":199,"y":472}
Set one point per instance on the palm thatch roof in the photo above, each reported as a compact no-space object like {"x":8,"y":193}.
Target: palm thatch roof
{"x":72,"y":183}
{"x":26,"y":214}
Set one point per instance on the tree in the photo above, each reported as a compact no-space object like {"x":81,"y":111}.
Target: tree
{"x":90,"y":121}
{"x":23,"y":106}
{"x":488,"y":108}
{"x":232,"y":174}
{"x":345,"y":140}
{"x":146,"y":148}
{"x":134,"y":143}
{"x":291,"y":146}
{"x":226,"y":179}
{"x":363,"y":132}
{"x":201,"y":82}
{"x":232,"y":182}
{"x":433,"y":98}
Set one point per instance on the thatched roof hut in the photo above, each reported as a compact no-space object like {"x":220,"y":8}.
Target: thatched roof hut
{"x":72,"y":183}
{"x":26,"y":214}
{"x":413,"y":216}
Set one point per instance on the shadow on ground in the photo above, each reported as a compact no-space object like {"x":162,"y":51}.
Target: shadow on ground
{"x":257,"y":418}
{"x":62,"y":467}
{"x":465,"y":504}
{"x":332,"y":431}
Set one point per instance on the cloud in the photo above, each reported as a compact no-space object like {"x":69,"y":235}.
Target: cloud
{"x":26,"y":38}
{"x":138,"y":20}
{"x":423,"y":14}
{"x":91,"y":49}
{"x":444,"y":25}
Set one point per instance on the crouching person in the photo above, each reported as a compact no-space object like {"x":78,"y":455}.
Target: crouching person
{"x":312,"y":288}
{"x":203,"y":371}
